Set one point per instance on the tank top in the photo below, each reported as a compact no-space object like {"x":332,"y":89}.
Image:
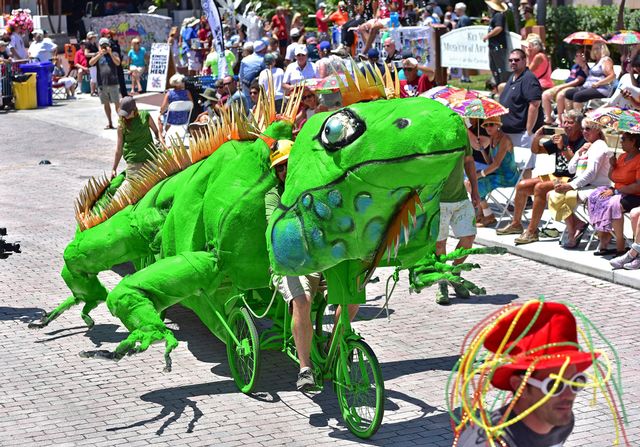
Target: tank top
{"x":137,"y":138}
{"x":177,"y":117}
{"x":543,"y":72}
{"x":597,"y":74}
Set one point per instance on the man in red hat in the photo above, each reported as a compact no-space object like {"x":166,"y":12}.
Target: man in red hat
{"x":549,"y":351}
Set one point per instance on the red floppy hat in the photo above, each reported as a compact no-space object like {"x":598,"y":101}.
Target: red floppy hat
{"x":105,"y":32}
{"x":554,"y":324}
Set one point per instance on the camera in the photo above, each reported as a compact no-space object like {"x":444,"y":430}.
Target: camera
{"x":550,"y":130}
{"x":7,"y":248}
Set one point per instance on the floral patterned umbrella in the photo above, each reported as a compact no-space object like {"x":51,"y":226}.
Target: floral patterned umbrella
{"x":450,"y":95}
{"x":625,"y":37}
{"x":481,"y":108}
{"x":583,"y":38}
{"x":616,"y":118}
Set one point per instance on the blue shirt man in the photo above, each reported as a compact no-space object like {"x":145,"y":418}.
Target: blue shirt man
{"x":252,"y":65}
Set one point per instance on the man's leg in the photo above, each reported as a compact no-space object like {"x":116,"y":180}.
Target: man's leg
{"x":463,"y":228}
{"x":107,"y":111}
{"x":302,"y":329}
{"x":524,"y":189}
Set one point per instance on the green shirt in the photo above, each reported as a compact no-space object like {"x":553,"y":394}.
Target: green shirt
{"x":453,"y":189}
{"x":137,"y":138}
{"x":272,"y":200}
{"x":212,"y":61}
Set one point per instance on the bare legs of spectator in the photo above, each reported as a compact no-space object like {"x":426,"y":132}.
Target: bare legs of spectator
{"x":538,"y":189}
{"x":575,"y":226}
{"x":618,"y":230}
{"x":107,"y":111}
{"x":560,"y":105}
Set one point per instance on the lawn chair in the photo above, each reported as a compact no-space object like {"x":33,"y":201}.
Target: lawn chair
{"x":178,"y":108}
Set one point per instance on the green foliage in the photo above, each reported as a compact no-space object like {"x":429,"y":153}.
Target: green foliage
{"x":564,"y":20}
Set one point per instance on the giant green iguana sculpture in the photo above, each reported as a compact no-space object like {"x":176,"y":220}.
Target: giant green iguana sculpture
{"x":362,"y":180}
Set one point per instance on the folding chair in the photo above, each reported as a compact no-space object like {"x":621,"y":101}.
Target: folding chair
{"x":185,"y":108}
{"x":503,"y":197}
{"x":59,"y":92}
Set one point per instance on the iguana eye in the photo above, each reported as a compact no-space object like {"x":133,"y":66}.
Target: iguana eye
{"x":341,"y":129}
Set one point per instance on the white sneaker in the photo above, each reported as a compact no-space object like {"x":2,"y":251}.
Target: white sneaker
{"x":633,"y":265}
{"x":620,"y":261}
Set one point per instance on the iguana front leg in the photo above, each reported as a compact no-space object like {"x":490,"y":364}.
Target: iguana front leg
{"x":139,"y":299}
{"x":434,"y":268}
{"x":125,"y":236}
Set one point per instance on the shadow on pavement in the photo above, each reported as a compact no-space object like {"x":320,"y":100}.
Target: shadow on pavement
{"x":23,"y":314}
{"x":499,"y":299}
{"x":174,"y":402}
{"x":393,"y":370}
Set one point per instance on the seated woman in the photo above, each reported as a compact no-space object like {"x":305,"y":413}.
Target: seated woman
{"x":563,"y":146}
{"x":137,"y":62}
{"x":308,"y":107}
{"x":177,"y":93}
{"x":590,"y":165}
{"x":576,"y":78}
{"x":627,"y":94}
{"x":607,"y":205}
{"x":631,"y":259}
{"x":599,"y":82}
{"x":537,"y":60}
{"x":502,"y":170}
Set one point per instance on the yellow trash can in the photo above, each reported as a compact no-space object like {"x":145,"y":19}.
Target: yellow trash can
{"x":25,"y":93}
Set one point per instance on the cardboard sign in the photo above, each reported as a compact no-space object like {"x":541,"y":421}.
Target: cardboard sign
{"x":464,"y":48}
{"x":160,"y":67}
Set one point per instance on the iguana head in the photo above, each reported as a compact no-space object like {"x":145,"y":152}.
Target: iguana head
{"x":354,"y":175}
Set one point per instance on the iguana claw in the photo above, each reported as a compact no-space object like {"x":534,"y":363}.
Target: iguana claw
{"x":434,"y":268}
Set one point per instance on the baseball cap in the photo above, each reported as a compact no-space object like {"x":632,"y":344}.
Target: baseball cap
{"x":91,"y":34}
{"x":295,"y":32}
{"x":38,"y":31}
{"x":127,"y":105}
{"x":410,"y":62}
{"x":259,"y":46}
{"x":322,"y":5}
{"x":269,"y":58}
{"x":373,"y":53}
{"x":105,"y":32}
{"x":104,"y":41}
{"x":247,"y":46}
{"x":301,"y":49}
{"x":324,"y":45}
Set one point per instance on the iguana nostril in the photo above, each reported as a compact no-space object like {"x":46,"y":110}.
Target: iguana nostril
{"x":401,"y":123}
{"x":362,"y":202}
{"x":307,"y":200}
{"x":334,"y":198}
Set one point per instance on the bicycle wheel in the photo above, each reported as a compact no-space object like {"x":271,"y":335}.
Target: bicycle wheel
{"x":244,"y":358}
{"x":362,"y":400}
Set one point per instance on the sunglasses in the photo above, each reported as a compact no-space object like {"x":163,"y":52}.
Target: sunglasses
{"x":308,"y":96}
{"x":253,"y":93}
{"x":489,"y":124}
{"x":515,"y":60}
{"x":282,"y":167}
{"x":547,"y":384}
{"x":226,"y":83}
{"x":589,"y":128}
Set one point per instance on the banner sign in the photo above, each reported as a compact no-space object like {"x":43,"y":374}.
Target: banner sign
{"x":414,"y":39}
{"x":210,"y":11}
{"x":149,"y":28}
{"x":158,"y":67}
{"x":464,"y":48}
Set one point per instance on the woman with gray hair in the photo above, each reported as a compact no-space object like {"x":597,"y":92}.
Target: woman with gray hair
{"x":537,"y":60}
{"x":177,"y":93}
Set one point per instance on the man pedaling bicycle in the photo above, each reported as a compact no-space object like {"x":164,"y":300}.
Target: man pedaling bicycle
{"x":297,"y":291}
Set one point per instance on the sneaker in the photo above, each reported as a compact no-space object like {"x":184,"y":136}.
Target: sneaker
{"x":460,"y":290}
{"x":633,"y":265}
{"x":620,"y":261}
{"x":442,"y":295}
{"x":526,"y":238}
{"x":306,"y":380}
{"x":510,"y":229}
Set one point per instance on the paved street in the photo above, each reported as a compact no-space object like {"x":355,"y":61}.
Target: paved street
{"x":52,"y":396}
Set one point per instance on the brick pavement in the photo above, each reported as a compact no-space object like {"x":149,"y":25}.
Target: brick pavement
{"x":51,"y":396}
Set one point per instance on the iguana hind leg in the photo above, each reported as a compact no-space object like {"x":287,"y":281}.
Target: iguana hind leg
{"x":125,"y":236}
{"x":140,"y":298}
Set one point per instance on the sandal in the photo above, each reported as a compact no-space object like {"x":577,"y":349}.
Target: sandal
{"x":605,"y":252}
{"x":108,"y":126}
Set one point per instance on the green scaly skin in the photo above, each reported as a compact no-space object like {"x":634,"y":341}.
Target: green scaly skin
{"x":205,"y":226}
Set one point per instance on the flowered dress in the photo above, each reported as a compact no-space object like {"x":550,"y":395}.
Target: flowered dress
{"x":506,"y":175}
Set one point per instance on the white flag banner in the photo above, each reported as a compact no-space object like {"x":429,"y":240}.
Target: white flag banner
{"x":210,"y":10}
